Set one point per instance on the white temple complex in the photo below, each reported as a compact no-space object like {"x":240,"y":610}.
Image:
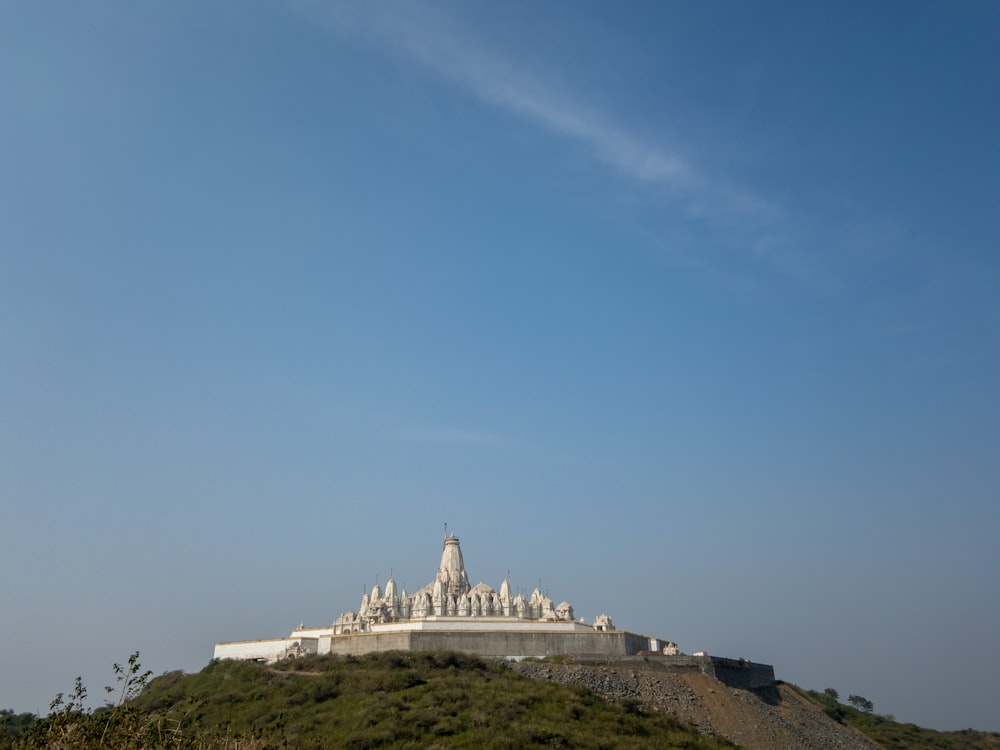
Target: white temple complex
{"x":449,"y":613}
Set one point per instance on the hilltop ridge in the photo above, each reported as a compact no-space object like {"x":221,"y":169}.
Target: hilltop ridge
{"x":450,"y":699}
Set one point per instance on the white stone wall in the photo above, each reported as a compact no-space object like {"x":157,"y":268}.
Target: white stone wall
{"x":265,"y":650}
{"x":311,"y":632}
{"x":480,"y":625}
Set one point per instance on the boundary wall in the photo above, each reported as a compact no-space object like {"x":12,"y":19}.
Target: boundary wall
{"x":512,"y":644}
{"x":597,"y":648}
{"x":268,"y":650}
{"x":736,"y":673}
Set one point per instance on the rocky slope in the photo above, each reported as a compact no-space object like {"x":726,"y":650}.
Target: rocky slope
{"x":775,"y":717}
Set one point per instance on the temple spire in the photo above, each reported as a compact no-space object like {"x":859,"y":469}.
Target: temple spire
{"x":451,"y":573}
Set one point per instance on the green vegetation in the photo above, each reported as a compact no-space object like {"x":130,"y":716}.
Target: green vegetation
{"x":13,"y":725}
{"x":70,"y":725}
{"x":391,"y":700}
{"x":555,"y":659}
{"x":863,"y":705}
{"x":892,"y":735}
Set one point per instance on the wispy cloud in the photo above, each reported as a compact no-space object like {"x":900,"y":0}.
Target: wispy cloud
{"x":505,"y":86}
{"x":422,"y":36}
{"x":431,"y":40}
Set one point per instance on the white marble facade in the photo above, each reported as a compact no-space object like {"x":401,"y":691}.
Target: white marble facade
{"x":449,"y":595}
{"x":447,"y":604}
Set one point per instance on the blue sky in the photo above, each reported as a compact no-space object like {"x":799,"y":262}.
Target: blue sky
{"x":689,"y":311}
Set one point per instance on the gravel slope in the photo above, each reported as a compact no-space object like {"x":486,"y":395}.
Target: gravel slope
{"x":770,"y":719}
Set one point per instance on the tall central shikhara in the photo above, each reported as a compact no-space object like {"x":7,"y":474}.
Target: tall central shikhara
{"x":450,"y":595}
{"x":451,"y":572}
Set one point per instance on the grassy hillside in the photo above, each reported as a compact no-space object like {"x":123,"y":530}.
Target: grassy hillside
{"x":395,"y":700}
{"x":892,"y":735}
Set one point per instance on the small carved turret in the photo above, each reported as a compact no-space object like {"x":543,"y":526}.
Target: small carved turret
{"x":505,"y":599}
{"x":438,"y":598}
{"x":535,"y":604}
{"x":421,"y":604}
{"x":521,"y":608}
{"x":603,"y":622}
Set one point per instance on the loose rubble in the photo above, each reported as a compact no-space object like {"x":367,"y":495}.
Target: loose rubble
{"x":775,"y":717}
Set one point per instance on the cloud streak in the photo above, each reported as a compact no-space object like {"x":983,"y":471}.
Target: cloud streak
{"x":450,"y":55}
{"x":512,"y":90}
{"x":757,"y":224}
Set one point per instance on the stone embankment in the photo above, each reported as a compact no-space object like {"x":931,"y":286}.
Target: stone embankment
{"x":762,"y":719}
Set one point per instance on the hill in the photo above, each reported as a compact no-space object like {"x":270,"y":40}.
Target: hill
{"x":392,"y":700}
{"x":440,"y":699}
{"x":764,"y":719}
{"x":783,"y":716}
{"x":892,"y":735}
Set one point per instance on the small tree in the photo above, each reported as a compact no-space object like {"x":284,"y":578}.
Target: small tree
{"x":864,"y":705}
{"x":14,"y":725}
{"x":831,"y":693}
